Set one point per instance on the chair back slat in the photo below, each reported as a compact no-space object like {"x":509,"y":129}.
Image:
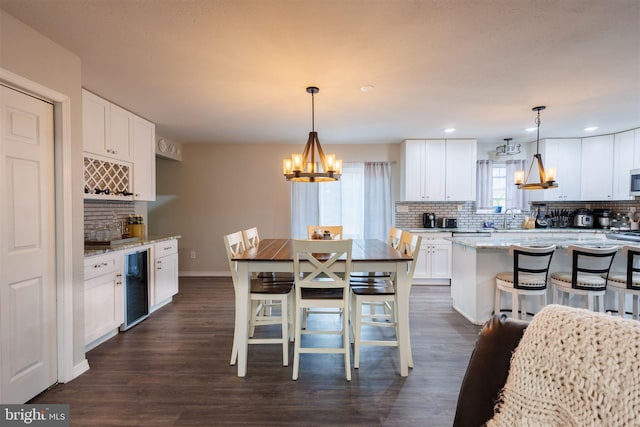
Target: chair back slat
{"x":533,"y":260}
{"x":234,"y":244}
{"x":251,"y":237}
{"x":410,"y":245}
{"x":633,"y":257}
{"x":395,"y":237}
{"x":329,"y":262}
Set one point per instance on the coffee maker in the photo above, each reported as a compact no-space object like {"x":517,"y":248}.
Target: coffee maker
{"x":429,"y":220}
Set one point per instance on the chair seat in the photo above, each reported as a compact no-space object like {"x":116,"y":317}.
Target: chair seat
{"x":318,"y":293}
{"x":526,"y":280}
{"x":619,"y":280}
{"x":260,"y":287}
{"x":365,"y":277}
{"x":373,"y":290}
{"x":563,"y":279}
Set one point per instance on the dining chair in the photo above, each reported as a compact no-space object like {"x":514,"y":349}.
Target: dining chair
{"x":393,"y":240}
{"x":381,"y":292}
{"x":528,"y":277}
{"x":252,"y":240}
{"x":334,"y":230}
{"x":588,"y":276}
{"x":321,"y":269}
{"x":627,"y":282}
{"x":261,"y":291}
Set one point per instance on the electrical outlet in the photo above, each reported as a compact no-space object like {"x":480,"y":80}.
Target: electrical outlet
{"x":193,"y":254}
{"x":587,"y":206}
{"x":459,"y":208}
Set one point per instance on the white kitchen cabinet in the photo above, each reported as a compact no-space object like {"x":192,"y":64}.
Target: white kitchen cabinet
{"x":439,"y":170}
{"x":144,"y":160}
{"x":636,"y":149}
{"x":460,"y":169}
{"x":434,"y":258}
{"x":166,"y":273}
{"x":103,"y":297}
{"x":564,"y":155}
{"x":107,"y":129}
{"x":623,"y":149}
{"x":596,"y":183}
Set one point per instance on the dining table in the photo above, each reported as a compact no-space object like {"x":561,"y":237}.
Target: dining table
{"x":367,"y":255}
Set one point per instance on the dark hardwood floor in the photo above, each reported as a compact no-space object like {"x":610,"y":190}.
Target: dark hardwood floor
{"x":173,"y":370}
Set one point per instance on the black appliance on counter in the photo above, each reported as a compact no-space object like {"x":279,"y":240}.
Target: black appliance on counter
{"x":602,"y":218}
{"x":448,"y":223}
{"x":429,"y":220}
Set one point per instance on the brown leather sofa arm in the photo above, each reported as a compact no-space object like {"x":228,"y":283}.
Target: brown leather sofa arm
{"x":487,"y":370}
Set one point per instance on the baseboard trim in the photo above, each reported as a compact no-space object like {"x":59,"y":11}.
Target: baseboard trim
{"x":205,"y":274}
{"x":80,"y":369}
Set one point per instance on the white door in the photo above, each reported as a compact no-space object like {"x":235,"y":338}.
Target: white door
{"x":27,"y":253}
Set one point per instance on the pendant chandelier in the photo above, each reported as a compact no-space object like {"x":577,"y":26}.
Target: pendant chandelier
{"x":304,"y":167}
{"x":547,"y":177}
{"x":507,"y":149}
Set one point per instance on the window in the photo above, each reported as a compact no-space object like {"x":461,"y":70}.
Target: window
{"x":360,"y":202}
{"x":499,"y":185}
{"x":495,"y":191}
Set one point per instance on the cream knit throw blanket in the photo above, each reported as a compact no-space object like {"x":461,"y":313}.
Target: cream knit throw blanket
{"x":573,"y":367}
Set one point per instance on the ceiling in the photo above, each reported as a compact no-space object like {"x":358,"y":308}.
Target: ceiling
{"x":235,"y":71}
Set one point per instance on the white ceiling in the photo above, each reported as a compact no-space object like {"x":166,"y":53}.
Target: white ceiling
{"x":235,"y":71}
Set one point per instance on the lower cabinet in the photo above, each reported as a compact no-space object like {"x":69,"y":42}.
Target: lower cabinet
{"x":434,"y":259}
{"x":166,"y":273}
{"x":103,"y":298}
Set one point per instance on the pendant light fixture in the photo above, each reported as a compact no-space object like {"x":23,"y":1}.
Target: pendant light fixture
{"x":547,"y":177}
{"x":303,"y":167}
{"x":507,"y":149}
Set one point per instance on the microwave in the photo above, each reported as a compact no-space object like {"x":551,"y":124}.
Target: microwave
{"x":635,"y":182}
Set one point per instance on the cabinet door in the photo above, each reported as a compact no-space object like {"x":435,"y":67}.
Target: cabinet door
{"x":144,"y":160}
{"x":434,"y":167}
{"x":564,"y":155}
{"x":623,"y":147}
{"x":422,"y":270}
{"x":636,"y":149}
{"x":95,"y":124}
{"x":441,"y":260}
{"x":460,"y":169}
{"x":121,"y":133}
{"x":597,"y":168}
{"x":413,"y":175}
{"x":166,"y":278}
{"x":103,"y":305}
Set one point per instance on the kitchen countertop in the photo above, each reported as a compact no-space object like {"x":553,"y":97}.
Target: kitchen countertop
{"x":504,"y":242}
{"x":98,"y":250}
{"x":598,"y":231}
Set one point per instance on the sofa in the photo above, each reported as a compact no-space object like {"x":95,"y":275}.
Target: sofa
{"x":567,"y":367}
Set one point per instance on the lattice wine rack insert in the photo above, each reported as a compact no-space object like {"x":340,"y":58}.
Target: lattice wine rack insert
{"x":104,"y":175}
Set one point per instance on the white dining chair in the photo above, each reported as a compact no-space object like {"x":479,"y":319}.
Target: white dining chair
{"x":627,"y":282}
{"x":261,"y":291}
{"x":321,"y":269}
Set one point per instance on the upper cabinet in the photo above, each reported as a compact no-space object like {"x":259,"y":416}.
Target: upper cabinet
{"x":623,"y":162}
{"x":106,"y":128}
{"x":597,"y":168}
{"x":144,"y":160}
{"x":439,"y":170}
{"x":119,"y":151}
{"x":564,"y":155}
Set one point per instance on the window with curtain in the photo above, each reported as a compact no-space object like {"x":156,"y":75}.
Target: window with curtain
{"x":361,"y":202}
{"x":494,"y":186}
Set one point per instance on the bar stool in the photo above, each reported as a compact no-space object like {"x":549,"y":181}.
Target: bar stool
{"x":627,"y":283}
{"x":528,"y":278}
{"x":589,"y":275}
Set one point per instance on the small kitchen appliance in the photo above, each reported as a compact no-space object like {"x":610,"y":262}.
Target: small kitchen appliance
{"x":429,"y":220}
{"x":602,"y":218}
{"x":582,"y":218}
{"x":635,"y":182}
{"x":448,"y":222}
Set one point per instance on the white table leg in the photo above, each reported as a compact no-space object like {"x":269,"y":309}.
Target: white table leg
{"x":403,"y":289}
{"x":242,"y":315}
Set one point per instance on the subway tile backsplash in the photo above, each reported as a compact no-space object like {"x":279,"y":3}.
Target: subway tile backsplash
{"x":98,"y":213}
{"x":465,"y":212}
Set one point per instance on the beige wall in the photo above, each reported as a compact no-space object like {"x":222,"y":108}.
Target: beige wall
{"x":221,"y":188}
{"x":30,"y":55}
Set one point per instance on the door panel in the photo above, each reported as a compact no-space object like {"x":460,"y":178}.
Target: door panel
{"x":27,"y":253}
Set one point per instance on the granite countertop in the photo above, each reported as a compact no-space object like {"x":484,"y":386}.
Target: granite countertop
{"x":98,"y":250}
{"x":504,"y":242}
{"x":593,"y":231}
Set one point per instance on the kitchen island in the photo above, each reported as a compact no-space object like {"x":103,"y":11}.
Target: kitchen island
{"x":477,"y":260}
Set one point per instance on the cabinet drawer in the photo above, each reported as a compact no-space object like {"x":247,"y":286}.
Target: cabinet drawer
{"x":167,"y":247}
{"x":98,"y":266}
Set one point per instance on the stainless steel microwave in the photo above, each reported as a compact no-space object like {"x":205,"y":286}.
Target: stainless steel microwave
{"x":635,"y":182}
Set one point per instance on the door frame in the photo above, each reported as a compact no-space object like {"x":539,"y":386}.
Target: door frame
{"x":63,"y":220}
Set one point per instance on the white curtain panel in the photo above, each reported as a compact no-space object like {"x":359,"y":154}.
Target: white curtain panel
{"x":516,"y":198}
{"x":377,"y":200}
{"x":484,"y":184}
{"x":305,"y":207}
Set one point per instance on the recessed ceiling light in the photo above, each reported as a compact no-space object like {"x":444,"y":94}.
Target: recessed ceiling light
{"x":366,"y":88}
{"x":530,"y":129}
{"x":591,"y":128}
{"x":449,"y":130}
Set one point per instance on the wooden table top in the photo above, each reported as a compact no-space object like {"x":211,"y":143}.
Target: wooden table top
{"x":362,"y":250}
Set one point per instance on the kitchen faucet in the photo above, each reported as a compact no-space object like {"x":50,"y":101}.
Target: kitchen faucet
{"x":513,"y":215}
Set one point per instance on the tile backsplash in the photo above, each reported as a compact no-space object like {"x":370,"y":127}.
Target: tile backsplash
{"x":467,"y":217}
{"x":98,"y":213}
